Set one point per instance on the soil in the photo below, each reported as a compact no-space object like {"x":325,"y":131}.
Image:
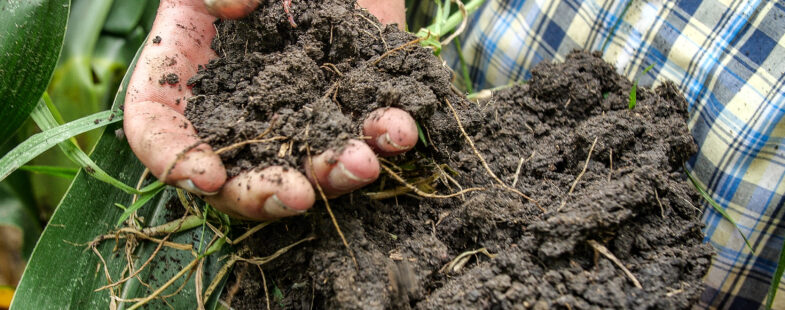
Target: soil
{"x":599,"y":172}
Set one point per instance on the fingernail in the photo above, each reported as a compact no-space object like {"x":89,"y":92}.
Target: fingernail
{"x":189,"y":186}
{"x":342,"y":179}
{"x":386,"y":140}
{"x":273,"y":207}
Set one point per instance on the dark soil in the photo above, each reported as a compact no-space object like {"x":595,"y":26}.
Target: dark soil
{"x":633,"y":197}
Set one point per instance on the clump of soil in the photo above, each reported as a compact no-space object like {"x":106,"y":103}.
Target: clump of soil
{"x":631,"y":195}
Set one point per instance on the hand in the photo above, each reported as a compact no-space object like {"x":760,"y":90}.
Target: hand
{"x":166,"y":142}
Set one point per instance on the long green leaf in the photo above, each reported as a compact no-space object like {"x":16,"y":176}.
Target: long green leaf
{"x":62,"y":172}
{"x":634,"y":89}
{"x":43,"y":141}
{"x":775,"y":280}
{"x":31,"y":37}
{"x":62,"y":274}
{"x":717,"y":208}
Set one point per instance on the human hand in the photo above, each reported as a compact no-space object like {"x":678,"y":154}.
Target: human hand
{"x":165,"y":141}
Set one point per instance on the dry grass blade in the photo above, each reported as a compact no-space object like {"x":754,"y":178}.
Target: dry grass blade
{"x":482,"y":159}
{"x":520,"y":164}
{"x":424,"y":194}
{"x":607,"y":253}
{"x":198,"y":285}
{"x":585,"y":165}
{"x":459,"y":261}
{"x":219,"y":275}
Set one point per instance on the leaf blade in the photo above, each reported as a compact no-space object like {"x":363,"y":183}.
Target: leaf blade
{"x":31,"y":38}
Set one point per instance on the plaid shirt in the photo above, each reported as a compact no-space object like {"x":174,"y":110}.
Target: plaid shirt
{"x":727,"y":57}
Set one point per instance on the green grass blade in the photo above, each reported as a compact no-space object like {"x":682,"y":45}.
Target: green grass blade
{"x":62,"y":172}
{"x":775,"y":281}
{"x":634,"y":90}
{"x":421,"y":134}
{"x":718,"y":208}
{"x":467,"y":81}
{"x":44,"y":119}
{"x":38,"y":143}
{"x":138,"y":204}
{"x":31,"y":37}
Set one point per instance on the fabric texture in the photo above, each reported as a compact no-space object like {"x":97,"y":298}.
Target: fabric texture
{"x":727,"y":57}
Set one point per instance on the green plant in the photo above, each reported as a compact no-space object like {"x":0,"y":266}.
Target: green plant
{"x":634,"y":89}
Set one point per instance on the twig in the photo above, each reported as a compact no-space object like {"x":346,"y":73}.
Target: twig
{"x":607,"y":253}
{"x":482,"y":159}
{"x":586,"y":164}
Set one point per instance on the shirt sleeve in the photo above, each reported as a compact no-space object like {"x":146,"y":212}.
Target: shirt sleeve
{"x":727,"y":57}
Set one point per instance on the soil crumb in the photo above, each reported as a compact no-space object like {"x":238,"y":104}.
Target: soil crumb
{"x":489,"y":249}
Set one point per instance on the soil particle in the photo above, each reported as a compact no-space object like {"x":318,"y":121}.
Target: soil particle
{"x":157,"y":39}
{"x":314,"y":85}
{"x":170,"y":78}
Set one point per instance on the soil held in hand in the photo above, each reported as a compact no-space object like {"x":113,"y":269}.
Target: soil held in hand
{"x":609,"y":179}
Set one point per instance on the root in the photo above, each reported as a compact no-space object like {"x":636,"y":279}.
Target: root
{"x":327,"y":206}
{"x":484,"y":163}
{"x":246,"y":142}
{"x":381,"y":33}
{"x":392,"y":51}
{"x":177,"y":158}
{"x":607,"y":253}
{"x":586,"y":164}
{"x":424,"y":194}
{"x":332,"y":68}
{"x":264,"y":284}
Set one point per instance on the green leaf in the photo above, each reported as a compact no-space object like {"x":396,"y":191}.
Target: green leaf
{"x":775,"y":281}
{"x":62,"y":172}
{"x":124,"y":16}
{"x":43,"y":141}
{"x":31,"y":37}
{"x":14,"y":214}
{"x":44,"y":119}
{"x":61,"y":270}
{"x":634,"y":90}
{"x":138,"y":204}
{"x":717,"y":207}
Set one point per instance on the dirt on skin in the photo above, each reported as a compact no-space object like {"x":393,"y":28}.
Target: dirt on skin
{"x":315,"y":84}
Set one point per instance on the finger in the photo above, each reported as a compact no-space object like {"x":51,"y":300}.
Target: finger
{"x":230,"y":9}
{"x":391,"y":130}
{"x":270,"y":193}
{"x":387,"y":11}
{"x":342,"y":171}
{"x":161,"y":137}
{"x":167,"y":144}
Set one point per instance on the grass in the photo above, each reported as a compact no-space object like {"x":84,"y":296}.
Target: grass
{"x":717,"y":208}
{"x":634,"y":90}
